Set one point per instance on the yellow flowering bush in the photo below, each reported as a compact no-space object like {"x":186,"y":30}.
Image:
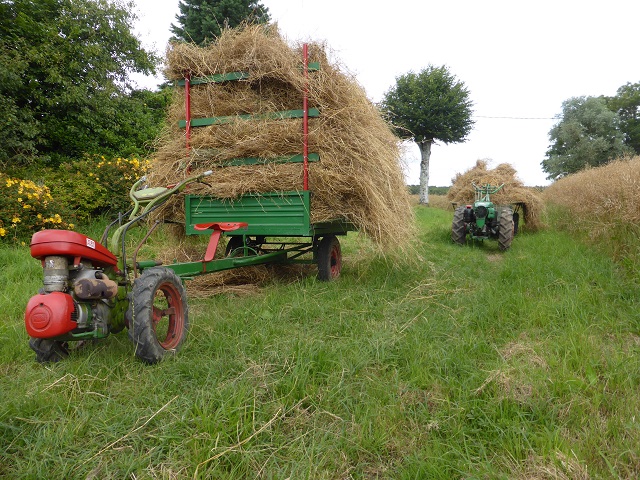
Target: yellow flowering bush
{"x":26,"y":207}
{"x":97,"y":185}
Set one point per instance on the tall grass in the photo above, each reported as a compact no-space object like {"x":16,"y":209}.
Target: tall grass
{"x":602,"y":206}
{"x":463,"y":362}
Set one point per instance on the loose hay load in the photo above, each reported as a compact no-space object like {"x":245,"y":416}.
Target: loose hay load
{"x":513,"y":193}
{"x":358,"y":177}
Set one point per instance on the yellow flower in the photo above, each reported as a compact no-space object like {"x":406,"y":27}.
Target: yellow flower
{"x":15,"y":220}
{"x":71,"y":225}
{"x":3,"y":232}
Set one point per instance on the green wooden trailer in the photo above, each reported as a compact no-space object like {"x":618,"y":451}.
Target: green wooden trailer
{"x":265,"y":228}
{"x":272,"y":227}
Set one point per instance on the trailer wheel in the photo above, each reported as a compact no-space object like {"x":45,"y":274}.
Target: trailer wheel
{"x":506,"y":226}
{"x":232,"y":245}
{"x":48,"y":351}
{"x":329,"y":258}
{"x":458,"y":228}
{"x":159,"y":314}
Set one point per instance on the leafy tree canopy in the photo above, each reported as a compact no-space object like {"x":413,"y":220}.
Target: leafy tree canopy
{"x":64,"y":66}
{"x":626,"y":104}
{"x":588,"y":134}
{"x":201,"y":21}
{"x":430,"y":105}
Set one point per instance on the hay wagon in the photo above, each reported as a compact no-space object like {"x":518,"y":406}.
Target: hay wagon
{"x":273,"y":227}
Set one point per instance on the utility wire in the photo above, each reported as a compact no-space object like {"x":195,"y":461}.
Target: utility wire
{"x":518,"y":118}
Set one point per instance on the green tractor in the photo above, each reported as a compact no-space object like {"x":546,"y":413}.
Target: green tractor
{"x":484,"y":220}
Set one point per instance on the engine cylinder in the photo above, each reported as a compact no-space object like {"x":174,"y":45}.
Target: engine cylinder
{"x":56,"y":274}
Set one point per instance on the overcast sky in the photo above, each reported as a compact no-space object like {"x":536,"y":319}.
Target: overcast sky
{"x":519,"y":60}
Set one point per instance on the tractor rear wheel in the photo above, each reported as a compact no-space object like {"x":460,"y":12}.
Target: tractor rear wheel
{"x":159,"y":314}
{"x":506,"y":229}
{"x":329,"y":257}
{"x":458,"y":228}
{"x":48,"y":351}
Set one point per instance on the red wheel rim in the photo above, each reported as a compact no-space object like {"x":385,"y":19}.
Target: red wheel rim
{"x":336,"y":261}
{"x":168,"y":316}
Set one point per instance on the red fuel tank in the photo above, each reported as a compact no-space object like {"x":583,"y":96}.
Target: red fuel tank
{"x":49,"y":315}
{"x":70,"y":244}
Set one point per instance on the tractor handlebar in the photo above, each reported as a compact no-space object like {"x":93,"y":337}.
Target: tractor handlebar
{"x":484,"y":192}
{"x":144,"y":201}
{"x":487,"y":188}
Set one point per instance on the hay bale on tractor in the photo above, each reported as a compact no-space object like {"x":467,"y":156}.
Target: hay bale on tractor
{"x":357,"y":177}
{"x":513,"y":193}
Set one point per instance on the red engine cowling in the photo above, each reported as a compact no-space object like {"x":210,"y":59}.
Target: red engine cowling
{"x":49,"y":315}
{"x":70,"y":244}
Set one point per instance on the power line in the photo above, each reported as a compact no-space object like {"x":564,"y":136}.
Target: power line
{"x":517,"y":118}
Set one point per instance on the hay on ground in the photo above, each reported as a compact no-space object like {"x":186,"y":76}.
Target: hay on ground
{"x":513,"y":193}
{"x":359,"y":176}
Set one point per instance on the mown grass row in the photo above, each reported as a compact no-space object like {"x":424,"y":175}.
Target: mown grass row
{"x":462,"y":362}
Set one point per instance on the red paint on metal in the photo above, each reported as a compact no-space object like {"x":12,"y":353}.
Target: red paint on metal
{"x":70,"y":244}
{"x":305,"y":119}
{"x":49,"y":315}
{"x":218,"y":228}
{"x":187,"y":106}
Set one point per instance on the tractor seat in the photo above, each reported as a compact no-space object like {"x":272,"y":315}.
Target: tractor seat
{"x":148,"y":194}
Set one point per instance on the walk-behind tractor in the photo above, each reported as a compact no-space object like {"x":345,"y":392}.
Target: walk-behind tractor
{"x":484,"y":220}
{"x":90,"y":291}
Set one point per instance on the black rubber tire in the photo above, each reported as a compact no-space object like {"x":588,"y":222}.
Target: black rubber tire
{"x":48,"y":351}
{"x":505,"y":228}
{"x":458,"y":227}
{"x":158,"y":313}
{"x":329,"y":257}
{"x":233,"y":244}
{"x":516,"y":222}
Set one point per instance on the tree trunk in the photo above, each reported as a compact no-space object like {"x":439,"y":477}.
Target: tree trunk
{"x":425,"y":155}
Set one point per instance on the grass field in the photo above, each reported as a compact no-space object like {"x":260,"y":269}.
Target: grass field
{"x":462,"y":362}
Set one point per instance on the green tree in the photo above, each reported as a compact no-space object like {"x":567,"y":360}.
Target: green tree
{"x":588,"y":134}
{"x":626,"y":104}
{"x":201,"y":21}
{"x":64,"y":67}
{"x":429,"y":106}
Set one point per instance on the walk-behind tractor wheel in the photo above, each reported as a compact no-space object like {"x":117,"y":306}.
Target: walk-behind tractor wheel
{"x":159,"y":314}
{"x":48,"y":351}
{"x":506,"y":228}
{"x":458,"y":229}
{"x":329,"y":258}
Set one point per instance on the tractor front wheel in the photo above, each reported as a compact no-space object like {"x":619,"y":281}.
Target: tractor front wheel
{"x":158,"y":313}
{"x":48,"y":351}
{"x":329,"y":257}
{"x":458,"y":227}
{"x":506,"y":229}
